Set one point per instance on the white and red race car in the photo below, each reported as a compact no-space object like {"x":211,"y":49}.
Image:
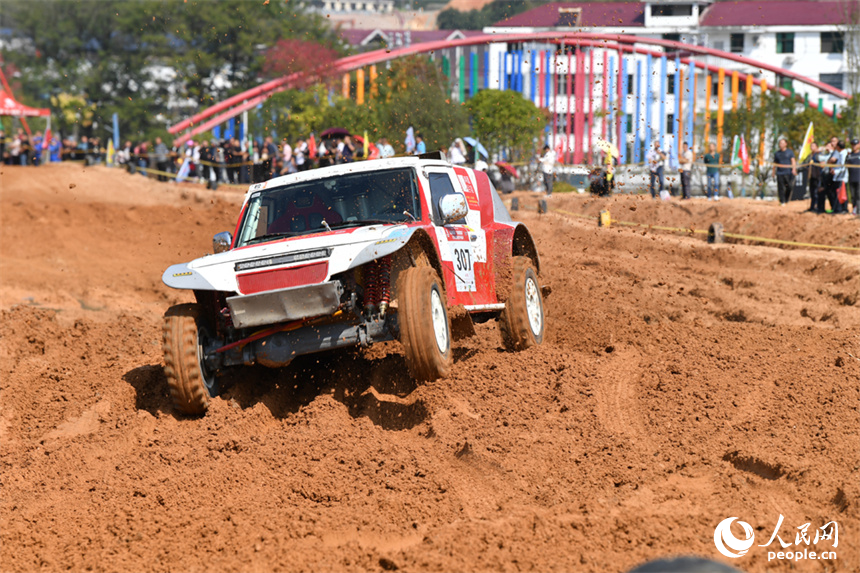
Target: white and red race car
{"x":394,"y":249}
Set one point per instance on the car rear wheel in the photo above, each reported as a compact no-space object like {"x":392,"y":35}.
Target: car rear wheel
{"x":522,"y":320}
{"x":184,"y":334}
{"x":425,"y":327}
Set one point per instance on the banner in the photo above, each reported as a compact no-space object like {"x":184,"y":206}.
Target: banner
{"x":745,"y":156}
{"x":736,"y":153}
{"x":312,"y":147}
{"x":807,"y":144}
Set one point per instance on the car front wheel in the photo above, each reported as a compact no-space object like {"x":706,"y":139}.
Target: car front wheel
{"x":425,"y":327}
{"x":184,"y":334}
{"x":522,"y":320}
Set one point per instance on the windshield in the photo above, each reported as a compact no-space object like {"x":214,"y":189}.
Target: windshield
{"x":388,"y":196}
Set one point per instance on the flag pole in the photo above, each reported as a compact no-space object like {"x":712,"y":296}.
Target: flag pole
{"x":46,"y":154}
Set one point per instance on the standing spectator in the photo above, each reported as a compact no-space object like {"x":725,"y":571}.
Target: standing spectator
{"x":270,"y":149}
{"x":84,"y":149}
{"x":98,"y":151}
{"x":301,"y":154}
{"x":685,"y":167}
{"x":26,"y":150}
{"x":712,"y":160}
{"x":229,"y":168}
{"x":207,"y":171}
{"x":347,"y":153}
{"x":547,"y":167}
{"x":420,"y":146}
{"x":656,"y":159}
{"x":784,"y":170}
{"x":37,"y":148}
{"x":123,"y":156}
{"x":160,"y":154}
{"x":457,"y":153}
{"x":55,"y":149}
{"x":15,"y":149}
{"x":840,"y":177}
{"x":852,"y":163}
{"x":2,"y":146}
{"x":385,"y":148}
{"x":327,"y":153}
{"x":814,"y":175}
{"x":828,"y":189}
{"x":287,"y":158}
{"x":142,"y":157}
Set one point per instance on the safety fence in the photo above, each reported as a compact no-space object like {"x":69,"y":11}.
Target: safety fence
{"x":714,"y":233}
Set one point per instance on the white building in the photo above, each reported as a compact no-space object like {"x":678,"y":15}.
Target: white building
{"x":805,"y":37}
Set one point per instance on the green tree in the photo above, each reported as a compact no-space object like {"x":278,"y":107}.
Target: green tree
{"x":152,"y":62}
{"x":412,"y":92}
{"x":495,"y":11}
{"x":417,"y":94}
{"x":506,"y":120}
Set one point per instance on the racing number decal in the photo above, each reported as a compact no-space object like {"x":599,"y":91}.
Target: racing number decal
{"x":464,"y":269}
{"x":462,"y":259}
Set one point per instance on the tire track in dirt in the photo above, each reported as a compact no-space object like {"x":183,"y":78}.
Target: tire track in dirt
{"x":542,"y":459}
{"x":618,"y":375}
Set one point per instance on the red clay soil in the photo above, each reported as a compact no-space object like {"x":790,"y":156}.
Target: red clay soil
{"x":679,"y":384}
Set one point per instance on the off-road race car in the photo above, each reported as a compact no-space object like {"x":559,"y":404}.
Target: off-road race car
{"x":409,"y":249}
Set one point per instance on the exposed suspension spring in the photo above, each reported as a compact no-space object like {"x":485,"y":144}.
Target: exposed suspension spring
{"x":371,"y":287}
{"x":377,"y":285}
{"x":384,"y":266}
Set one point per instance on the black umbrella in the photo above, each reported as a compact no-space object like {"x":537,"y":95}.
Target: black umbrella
{"x":334,"y":132}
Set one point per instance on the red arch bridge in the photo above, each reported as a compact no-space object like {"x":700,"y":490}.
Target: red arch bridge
{"x":656,"y":82}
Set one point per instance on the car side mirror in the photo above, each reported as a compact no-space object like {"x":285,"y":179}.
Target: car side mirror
{"x":221,"y":242}
{"x":452,"y":207}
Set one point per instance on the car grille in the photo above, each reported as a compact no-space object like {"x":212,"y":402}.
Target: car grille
{"x":250,"y":283}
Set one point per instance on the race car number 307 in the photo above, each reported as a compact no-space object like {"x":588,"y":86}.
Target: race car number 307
{"x":464,"y":270}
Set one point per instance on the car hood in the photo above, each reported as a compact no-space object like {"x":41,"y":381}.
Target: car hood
{"x":346,"y":248}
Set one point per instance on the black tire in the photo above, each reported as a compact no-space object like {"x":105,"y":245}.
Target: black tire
{"x":191,"y":386}
{"x":422,"y":309}
{"x":518,"y":330}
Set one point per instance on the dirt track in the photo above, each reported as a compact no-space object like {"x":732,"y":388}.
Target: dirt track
{"x":679,"y":384}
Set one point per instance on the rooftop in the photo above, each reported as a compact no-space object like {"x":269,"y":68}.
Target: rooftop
{"x":361,"y":37}
{"x":594,"y":14}
{"x":732,"y":13}
{"x":774,"y":13}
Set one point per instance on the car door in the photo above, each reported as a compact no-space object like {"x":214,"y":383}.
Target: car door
{"x":462,"y":244}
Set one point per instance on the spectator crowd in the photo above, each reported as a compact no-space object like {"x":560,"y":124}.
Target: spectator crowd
{"x":832,"y":169}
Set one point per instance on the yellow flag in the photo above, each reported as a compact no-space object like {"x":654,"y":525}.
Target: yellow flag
{"x":807,"y":144}
{"x":366,"y":145}
{"x":110,"y":152}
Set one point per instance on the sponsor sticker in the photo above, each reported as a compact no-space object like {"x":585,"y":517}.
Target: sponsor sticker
{"x":469,"y":190}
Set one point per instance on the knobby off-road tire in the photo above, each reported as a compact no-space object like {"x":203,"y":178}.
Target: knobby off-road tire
{"x":522,"y":321}
{"x":425,"y":327}
{"x":190,"y":384}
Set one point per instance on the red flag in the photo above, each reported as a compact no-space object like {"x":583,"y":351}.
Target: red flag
{"x":47,"y":140}
{"x":312,"y":147}
{"x":745,"y":156}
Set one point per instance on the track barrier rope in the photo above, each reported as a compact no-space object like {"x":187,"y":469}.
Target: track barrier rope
{"x":705,"y":231}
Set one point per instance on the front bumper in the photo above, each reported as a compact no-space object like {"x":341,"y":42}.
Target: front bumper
{"x":282,"y":305}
